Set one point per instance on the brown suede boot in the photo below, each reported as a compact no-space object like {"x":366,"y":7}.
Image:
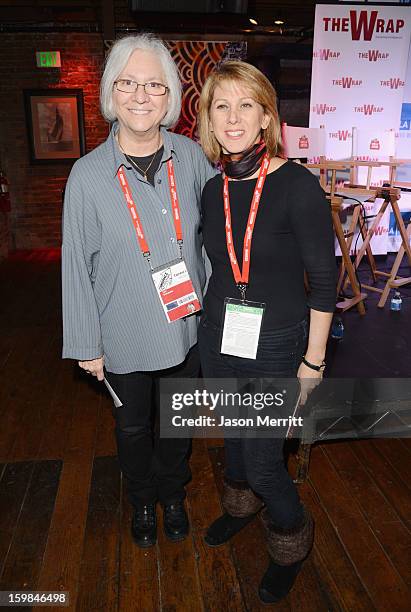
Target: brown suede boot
{"x":241,"y":507}
{"x":287,"y":548}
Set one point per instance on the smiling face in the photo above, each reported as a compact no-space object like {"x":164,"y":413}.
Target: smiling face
{"x":139,"y":114}
{"x":235,"y":117}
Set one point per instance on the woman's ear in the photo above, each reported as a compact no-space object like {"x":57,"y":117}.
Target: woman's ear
{"x":265,"y":122}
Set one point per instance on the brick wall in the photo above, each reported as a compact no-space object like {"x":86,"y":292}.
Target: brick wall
{"x":35,"y":219}
{"x":4,"y":234}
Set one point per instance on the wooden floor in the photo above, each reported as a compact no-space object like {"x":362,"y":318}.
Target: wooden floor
{"x":64,"y":518}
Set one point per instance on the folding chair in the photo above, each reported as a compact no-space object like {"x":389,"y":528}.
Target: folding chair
{"x":372,"y":146}
{"x":305,"y":144}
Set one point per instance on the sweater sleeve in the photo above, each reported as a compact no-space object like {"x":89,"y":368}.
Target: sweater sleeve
{"x":80,"y":251}
{"x":311,"y":222}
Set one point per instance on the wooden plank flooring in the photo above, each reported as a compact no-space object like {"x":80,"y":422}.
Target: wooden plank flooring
{"x":26,"y":539}
{"x":65,"y":519}
{"x":98,"y":584}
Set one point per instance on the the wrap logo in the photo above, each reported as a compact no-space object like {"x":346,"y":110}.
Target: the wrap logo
{"x":392,"y":83}
{"x":368,"y":109}
{"x":373,"y":55}
{"x":363,"y":24}
{"x":326,"y":54}
{"x":322,"y":109}
{"x":380,"y":230}
{"x":347,"y":82}
{"x":375,"y":145}
{"x":303,"y":142}
{"x":341,"y":135}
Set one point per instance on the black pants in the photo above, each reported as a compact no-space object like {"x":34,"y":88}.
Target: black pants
{"x":155,"y":468}
{"x":259,"y":461}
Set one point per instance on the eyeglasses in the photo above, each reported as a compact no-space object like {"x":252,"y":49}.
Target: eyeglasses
{"x":152,"y":88}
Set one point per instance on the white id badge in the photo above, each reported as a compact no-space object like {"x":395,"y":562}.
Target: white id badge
{"x":241,"y":327}
{"x":175,"y":290}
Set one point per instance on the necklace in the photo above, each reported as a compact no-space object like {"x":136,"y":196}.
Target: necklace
{"x":143,"y":172}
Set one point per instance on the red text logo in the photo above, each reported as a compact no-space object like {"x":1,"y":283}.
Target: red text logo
{"x":379,"y":231}
{"x":393,"y":83}
{"x":347,"y":82}
{"x":362,"y":24}
{"x":368,"y":109}
{"x":373,"y":55}
{"x":322,"y":109}
{"x":326,"y":54}
{"x":341,"y":135}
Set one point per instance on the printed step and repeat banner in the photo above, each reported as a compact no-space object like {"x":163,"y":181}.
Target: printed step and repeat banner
{"x":359,"y":68}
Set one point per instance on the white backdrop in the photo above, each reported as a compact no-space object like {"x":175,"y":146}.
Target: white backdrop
{"x":360,"y":57}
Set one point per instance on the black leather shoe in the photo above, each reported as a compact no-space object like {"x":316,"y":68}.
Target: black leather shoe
{"x":176,"y":525}
{"x":144,"y":526}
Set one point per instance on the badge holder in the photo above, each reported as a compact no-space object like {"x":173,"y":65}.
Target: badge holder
{"x":172,"y":281}
{"x":241,"y":327}
{"x":175,"y":290}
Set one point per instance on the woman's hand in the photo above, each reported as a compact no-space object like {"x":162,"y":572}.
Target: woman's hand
{"x":317,"y":341}
{"x":309,"y":380}
{"x":94,"y":367}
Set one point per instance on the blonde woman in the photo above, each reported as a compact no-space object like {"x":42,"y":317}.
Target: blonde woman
{"x":258,"y":262}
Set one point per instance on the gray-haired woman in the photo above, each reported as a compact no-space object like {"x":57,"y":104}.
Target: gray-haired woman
{"x":133,"y":271}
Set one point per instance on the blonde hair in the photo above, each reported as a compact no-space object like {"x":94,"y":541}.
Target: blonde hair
{"x":261,"y":91}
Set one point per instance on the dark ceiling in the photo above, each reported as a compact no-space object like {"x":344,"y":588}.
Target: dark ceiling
{"x":297,"y":17}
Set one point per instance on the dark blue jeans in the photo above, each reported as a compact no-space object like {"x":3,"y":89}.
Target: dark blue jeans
{"x":259,"y":461}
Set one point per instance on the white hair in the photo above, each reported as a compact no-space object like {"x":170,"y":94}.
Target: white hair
{"x":116,"y":61}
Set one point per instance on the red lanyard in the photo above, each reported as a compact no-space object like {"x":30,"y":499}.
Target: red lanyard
{"x":134,"y":214}
{"x":241,"y":278}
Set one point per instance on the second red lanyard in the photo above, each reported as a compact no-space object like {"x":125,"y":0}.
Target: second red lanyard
{"x":241,"y":277}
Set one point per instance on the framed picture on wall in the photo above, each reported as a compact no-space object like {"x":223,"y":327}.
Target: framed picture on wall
{"x":55,"y":124}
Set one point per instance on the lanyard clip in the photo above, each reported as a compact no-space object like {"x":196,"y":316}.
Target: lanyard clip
{"x":242,"y":287}
{"x":147,"y":255}
{"x":180,"y":246}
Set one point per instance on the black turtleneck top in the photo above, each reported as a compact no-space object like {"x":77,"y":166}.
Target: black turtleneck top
{"x":293,"y":232}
